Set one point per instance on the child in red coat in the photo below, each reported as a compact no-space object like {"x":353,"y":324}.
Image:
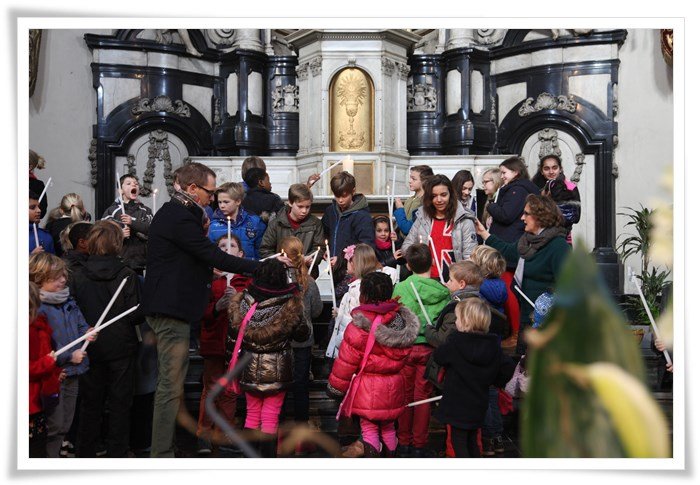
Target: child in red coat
{"x":43,"y":374}
{"x":379,"y":399}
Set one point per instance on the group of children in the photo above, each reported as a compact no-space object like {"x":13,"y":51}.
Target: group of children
{"x":395,"y":335}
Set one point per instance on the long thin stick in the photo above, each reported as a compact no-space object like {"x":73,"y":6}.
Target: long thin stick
{"x":36,"y":236}
{"x":420,"y":302}
{"x":330,"y":273}
{"x":331,"y":167}
{"x":271,"y":256}
{"x":438,"y":263}
{"x":313,"y":260}
{"x":121,"y":199}
{"x":651,"y":317}
{"x":93,"y":331}
{"x":106,"y":310}
{"x":424,"y":401}
{"x":43,"y":192}
{"x":523,"y":294}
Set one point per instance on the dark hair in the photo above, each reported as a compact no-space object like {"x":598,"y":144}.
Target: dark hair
{"x":428,"y":208}
{"x":538,"y":179}
{"x":251,"y":162}
{"x":254,"y":176}
{"x":127,"y":176}
{"x":234,"y":238}
{"x":299,"y":193}
{"x":419,"y":258}
{"x":33,"y":195}
{"x":342,"y":183}
{"x":77,"y":231}
{"x":424,"y":171}
{"x":194,"y":173}
{"x":105,"y":238}
{"x":459,"y":179}
{"x":516,"y":164}
{"x":270,"y":281}
{"x":544,"y":210}
{"x":377,"y":219}
{"x":376,"y":287}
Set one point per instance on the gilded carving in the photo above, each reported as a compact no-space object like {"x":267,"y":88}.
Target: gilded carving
{"x":667,"y":45}
{"x":161,"y":103}
{"x":34,"y":45}
{"x":352,"y":111}
{"x":548,"y":101}
{"x":285,"y":99}
{"x":549,"y":142}
{"x":421,"y":97}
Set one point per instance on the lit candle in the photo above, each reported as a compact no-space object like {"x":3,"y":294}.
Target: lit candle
{"x":228,"y":231}
{"x":313,"y":259}
{"x":155,"y":191}
{"x":330,"y":273}
{"x":271,"y":256}
{"x":420,"y":238}
{"x":348,"y":165}
{"x":36,"y":235}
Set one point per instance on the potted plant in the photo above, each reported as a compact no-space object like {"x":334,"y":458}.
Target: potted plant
{"x":654,"y":283}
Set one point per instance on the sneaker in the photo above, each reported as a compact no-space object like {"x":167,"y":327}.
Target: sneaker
{"x":67,"y":450}
{"x":498,"y":444}
{"x":203,"y":447}
{"x":487,"y":447}
{"x":404,"y":451}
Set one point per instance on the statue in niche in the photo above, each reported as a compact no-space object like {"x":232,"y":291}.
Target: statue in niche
{"x":165,"y":36}
{"x":352,"y":99}
{"x":421,"y":97}
{"x":549,"y":143}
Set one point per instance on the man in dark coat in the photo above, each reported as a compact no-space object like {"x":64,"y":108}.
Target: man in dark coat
{"x":178,"y":278}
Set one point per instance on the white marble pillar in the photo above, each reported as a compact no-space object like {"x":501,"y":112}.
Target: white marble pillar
{"x":460,"y":38}
{"x":248,"y":39}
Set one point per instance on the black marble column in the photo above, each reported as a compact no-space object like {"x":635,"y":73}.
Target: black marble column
{"x":425,"y":116}
{"x":282,"y":106}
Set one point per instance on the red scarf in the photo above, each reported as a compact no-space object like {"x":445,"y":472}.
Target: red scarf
{"x":295,"y":225}
{"x":382,"y":245}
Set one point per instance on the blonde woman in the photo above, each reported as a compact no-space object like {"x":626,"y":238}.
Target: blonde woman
{"x":70,"y":210}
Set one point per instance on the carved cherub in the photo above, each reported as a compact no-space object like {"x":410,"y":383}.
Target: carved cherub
{"x":164,"y":36}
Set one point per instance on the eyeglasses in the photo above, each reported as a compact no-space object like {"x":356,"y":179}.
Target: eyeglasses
{"x":210,"y":193}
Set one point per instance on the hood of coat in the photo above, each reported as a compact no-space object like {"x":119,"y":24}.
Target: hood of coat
{"x":466,"y":292}
{"x":359,"y":202}
{"x":477,"y":348}
{"x":103,"y":268}
{"x":270,"y":317}
{"x":401,"y":331}
{"x":524,"y":183}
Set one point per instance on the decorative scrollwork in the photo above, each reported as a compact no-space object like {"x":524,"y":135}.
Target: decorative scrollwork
{"x":34,"y":45}
{"x":285,"y":99}
{"x":92,"y":156}
{"x":548,"y":101}
{"x":217,"y":111}
{"x":303,"y":71}
{"x":161,"y":103}
{"x":421,"y":97}
{"x":388,"y":66}
{"x":315,"y":66}
{"x":580,"y":162}
{"x":221,"y":37}
{"x":489,"y":36}
{"x":493,"y":109}
{"x":404,"y":70}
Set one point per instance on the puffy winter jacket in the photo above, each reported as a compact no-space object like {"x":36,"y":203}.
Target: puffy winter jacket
{"x":508,"y":209}
{"x":247,"y":227}
{"x":433,"y":295}
{"x":134,"y":251}
{"x":43,"y":372}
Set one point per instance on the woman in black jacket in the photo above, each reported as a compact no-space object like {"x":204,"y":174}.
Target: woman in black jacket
{"x":110,"y":378}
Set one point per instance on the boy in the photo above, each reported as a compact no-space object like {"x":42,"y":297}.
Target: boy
{"x":295,"y":219}
{"x":413,"y":423}
{"x":259,"y":199}
{"x":347,"y":220}
{"x":35,"y":232}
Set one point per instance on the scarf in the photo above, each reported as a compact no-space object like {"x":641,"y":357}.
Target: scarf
{"x":382,"y":245}
{"x":54,"y":298}
{"x":529,"y":244}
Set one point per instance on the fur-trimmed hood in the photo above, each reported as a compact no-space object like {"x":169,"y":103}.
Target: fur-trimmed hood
{"x":400,"y":332}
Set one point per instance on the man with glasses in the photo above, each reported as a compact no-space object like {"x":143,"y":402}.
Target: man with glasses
{"x":176,"y":291}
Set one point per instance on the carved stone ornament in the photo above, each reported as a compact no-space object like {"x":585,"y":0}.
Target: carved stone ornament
{"x":493,"y":109}
{"x":388,"y":66}
{"x":34,"y":45}
{"x":221,"y":37}
{"x":549,"y":143}
{"x":285,"y":99}
{"x":92,"y":156}
{"x":580,"y":162}
{"x":315,"y":66}
{"x":421,"y":97}
{"x":615,"y":168}
{"x":489,"y":36}
{"x":403,"y":69}
{"x":161,"y":103}
{"x":157,"y":150}
{"x":217,"y":111}
{"x":615,"y":104}
{"x":548,"y":101}
{"x":165,"y":36}
{"x":303,"y":71}
{"x":666,"y":45}
{"x":556,"y":33}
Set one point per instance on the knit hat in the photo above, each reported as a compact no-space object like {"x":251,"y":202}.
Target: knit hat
{"x":270,"y":281}
{"x":543,"y":304}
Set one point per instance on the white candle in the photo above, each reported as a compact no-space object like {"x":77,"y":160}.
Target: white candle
{"x":424,"y":401}
{"x":431,"y":243}
{"x":228,"y":232}
{"x":313,"y":259}
{"x":98,"y":325}
{"x":119,"y":194}
{"x":393,"y":186}
{"x":43,"y":192}
{"x":155,"y":191}
{"x":635,"y":280}
{"x":420,"y":303}
{"x":330,"y":273}
{"x":36,"y":235}
{"x":391,"y":221}
{"x":271,"y":256}
{"x":348,"y":165}
{"x":330,"y":168}
{"x":94,"y":331}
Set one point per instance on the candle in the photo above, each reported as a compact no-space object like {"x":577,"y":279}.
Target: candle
{"x":431,"y":243}
{"x":635,"y":280}
{"x":330,"y":168}
{"x":271,"y":256}
{"x":155,"y":191}
{"x":393,"y":185}
{"x":94,"y":331}
{"x":330,"y":273}
{"x":348,"y":165}
{"x":43,"y":192}
{"x":228,"y":233}
{"x":313,"y":259}
{"x":391,"y":221}
{"x":98,"y":325}
{"x":36,"y":235}
{"x":119,"y":194}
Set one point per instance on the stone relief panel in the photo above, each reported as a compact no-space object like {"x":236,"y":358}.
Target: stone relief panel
{"x":232,"y":94}
{"x":315,"y":66}
{"x":453,"y":92}
{"x":421,"y":97}
{"x":351,"y":98}
{"x":477,"y":92}
{"x":303,"y":71}
{"x":388,"y":66}
{"x":489,"y":37}
{"x":285,"y":99}
{"x":255,"y":93}
{"x":549,"y":143}
{"x":161,"y":103}
{"x":548,"y":101}
{"x":403,"y":69}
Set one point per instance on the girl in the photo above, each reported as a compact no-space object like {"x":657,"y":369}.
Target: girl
{"x":247,"y":227}
{"x":405,"y":213}
{"x":109,"y":382}
{"x":552,"y":182}
{"x":67,"y":323}
{"x":43,"y":374}
{"x":379,"y":398}
{"x":473,"y":361}
{"x":212,"y":346}
{"x":313,"y":306}
{"x":463,"y":184}
{"x":134,"y":223}
{"x":492,"y":265}
{"x":70,"y":210}
{"x":361,"y":261}
{"x":443,"y":221}
{"x":382,"y":242}
{"x":277,"y":320}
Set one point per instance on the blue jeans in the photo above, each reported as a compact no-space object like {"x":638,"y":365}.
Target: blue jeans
{"x":493,"y":424}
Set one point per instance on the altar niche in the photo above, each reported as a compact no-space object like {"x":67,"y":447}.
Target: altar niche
{"x":352,"y":111}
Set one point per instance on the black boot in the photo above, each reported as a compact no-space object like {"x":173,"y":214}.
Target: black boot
{"x":268,"y":445}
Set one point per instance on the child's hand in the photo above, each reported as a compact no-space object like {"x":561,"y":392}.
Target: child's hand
{"x":218,"y":273}
{"x":334,"y":312}
{"x":91,"y":337}
{"x":333,"y":260}
{"x":312,"y":180}
{"x":223,"y":302}
{"x":62,"y":376}
{"x":394,"y":237}
{"x":77,"y":356}
{"x":287,"y":262}
{"x":397,"y":203}
{"x":398,"y":254}
{"x":37,"y":250}
{"x":52,"y":354}
{"x":659,"y":345}
{"x":126,"y":219}
{"x":126,"y":230}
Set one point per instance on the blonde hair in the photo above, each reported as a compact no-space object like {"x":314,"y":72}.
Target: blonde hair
{"x":473,"y":315}
{"x":36,"y":160}
{"x":105,"y":238}
{"x":232,"y":189}
{"x":71,"y":205}
{"x":46,"y":266}
{"x":491,"y":262}
{"x":364,"y":260}
{"x":34,"y":300}
{"x":466,"y":271}
{"x":294,"y":249}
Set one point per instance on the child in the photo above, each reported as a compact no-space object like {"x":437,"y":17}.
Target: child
{"x":313,"y":306}
{"x":259,"y":199}
{"x":248,"y":163}
{"x":135,"y":222}
{"x":247,"y":227}
{"x":212,"y":348}
{"x":277,"y":320}
{"x":382,"y":243}
{"x":70,"y":210}
{"x":361,"y":262}
{"x":413,"y":423}
{"x":473,"y":361}
{"x":295,"y":219}
{"x":43,"y":374}
{"x":379,"y":399}
{"x":35,"y":232}
{"x":347,"y":220}
{"x":67,"y":324}
{"x":109,"y":382}
{"x":404,"y":213}
{"x":492,"y":265}
{"x":74,"y":243}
